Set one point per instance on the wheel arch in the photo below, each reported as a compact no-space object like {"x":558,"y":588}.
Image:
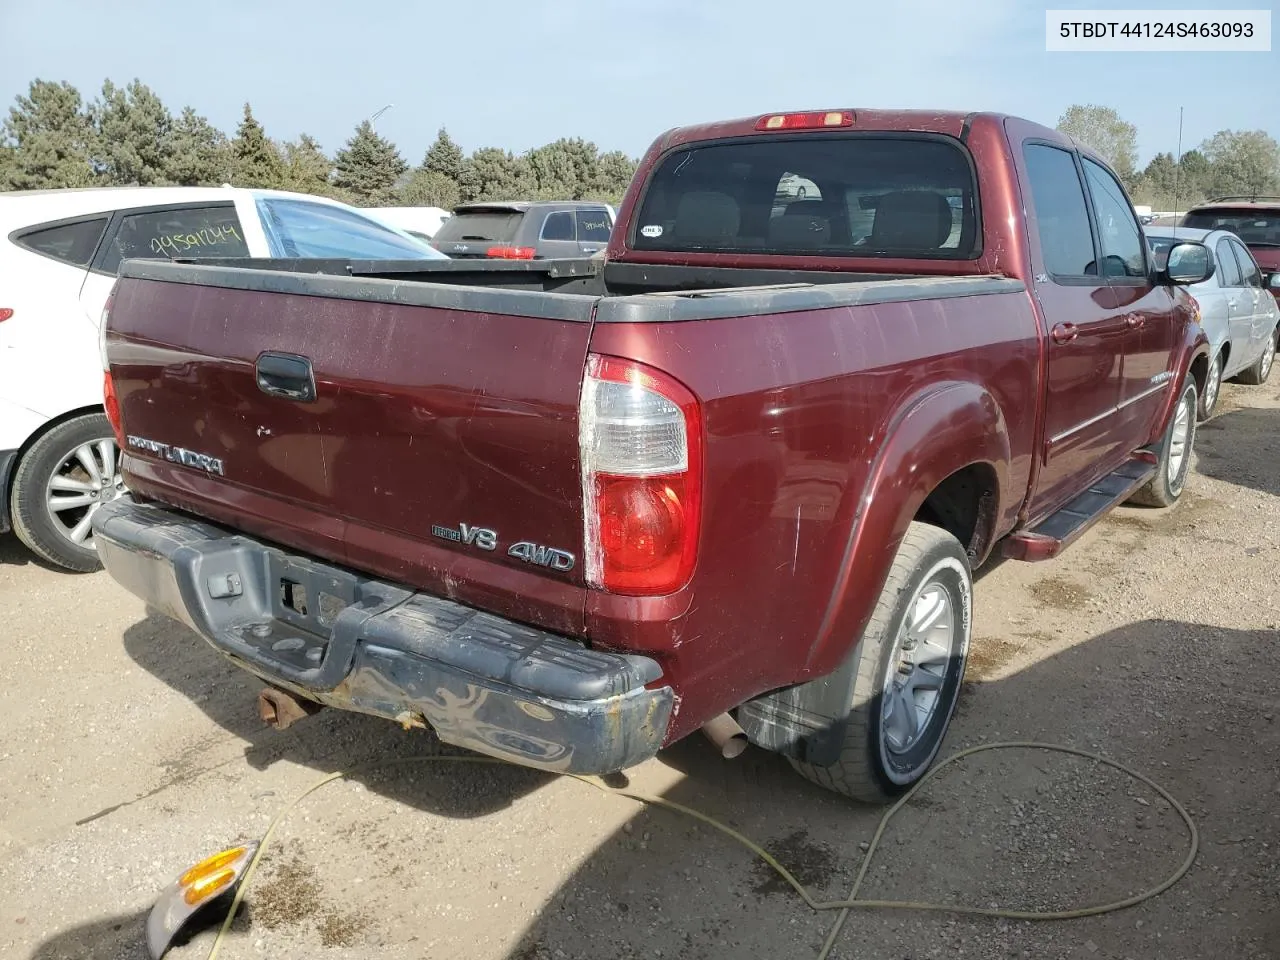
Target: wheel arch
{"x":6,"y":518}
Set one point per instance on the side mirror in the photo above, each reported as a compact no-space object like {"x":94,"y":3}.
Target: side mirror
{"x":1188,"y":262}
{"x":1273,"y":282}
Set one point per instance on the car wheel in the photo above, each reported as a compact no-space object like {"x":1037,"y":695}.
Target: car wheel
{"x":910,"y":665}
{"x":1212,"y":389}
{"x":1174,"y":454}
{"x":58,"y":485}
{"x":1261,"y":369}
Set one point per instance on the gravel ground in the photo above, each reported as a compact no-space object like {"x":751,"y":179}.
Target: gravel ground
{"x":130,"y":751}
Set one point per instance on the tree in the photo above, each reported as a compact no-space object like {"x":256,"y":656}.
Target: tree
{"x":1193,"y":178}
{"x":133,"y":134}
{"x":199,"y":153}
{"x":1242,"y":163}
{"x":257,"y":162}
{"x":444,"y":157}
{"x":52,"y":139}
{"x":612,"y":177}
{"x":306,"y":168}
{"x":430,"y":188}
{"x":1158,"y":183}
{"x":1103,"y":130}
{"x":369,"y":166}
{"x":494,"y":174}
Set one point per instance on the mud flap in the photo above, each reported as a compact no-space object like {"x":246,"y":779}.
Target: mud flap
{"x":806,"y":722}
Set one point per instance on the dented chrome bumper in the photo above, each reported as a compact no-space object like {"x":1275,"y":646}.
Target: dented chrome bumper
{"x":336,"y":637}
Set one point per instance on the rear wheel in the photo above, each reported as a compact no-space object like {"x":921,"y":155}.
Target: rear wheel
{"x":58,"y":486}
{"x":1261,"y":369}
{"x":1174,"y":453}
{"x":1212,"y":389}
{"x":910,"y":664}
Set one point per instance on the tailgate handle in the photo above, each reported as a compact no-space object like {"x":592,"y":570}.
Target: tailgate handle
{"x":286,"y":375}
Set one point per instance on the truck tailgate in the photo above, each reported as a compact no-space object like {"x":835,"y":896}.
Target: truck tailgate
{"x":443,"y":430}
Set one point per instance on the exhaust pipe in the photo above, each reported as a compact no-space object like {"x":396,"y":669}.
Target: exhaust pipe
{"x":729,"y":738}
{"x":280,"y":709}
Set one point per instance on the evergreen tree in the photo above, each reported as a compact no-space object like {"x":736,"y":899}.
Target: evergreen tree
{"x":133,"y":134}
{"x":199,"y":153}
{"x":306,"y":167}
{"x":257,"y":162}
{"x":444,"y":157}
{"x":368,"y":167}
{"x":52,"y":139}
{"x":430,"y":188}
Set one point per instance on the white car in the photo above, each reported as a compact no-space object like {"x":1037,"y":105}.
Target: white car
{"x":59,"y":252}
{"x":1239,"y":315}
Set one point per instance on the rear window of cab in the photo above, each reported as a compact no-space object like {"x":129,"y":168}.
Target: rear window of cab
{"x":852,"y":195}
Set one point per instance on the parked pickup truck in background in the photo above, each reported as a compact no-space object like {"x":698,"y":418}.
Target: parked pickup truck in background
{"x":737,"y":474}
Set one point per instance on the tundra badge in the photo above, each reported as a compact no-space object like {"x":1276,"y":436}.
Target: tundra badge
{"x":188,"y":458}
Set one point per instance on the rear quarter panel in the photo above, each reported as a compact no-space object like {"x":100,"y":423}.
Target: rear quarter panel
{"x":824,"y":431}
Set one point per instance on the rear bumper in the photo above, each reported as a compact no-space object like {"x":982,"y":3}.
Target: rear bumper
{"x":341,"y":639}
{"x":7,"y":460}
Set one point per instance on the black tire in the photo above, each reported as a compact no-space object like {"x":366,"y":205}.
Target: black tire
{"x":33,"y":520}
{"x":868,"y":769}
{"x":1212,"y":389}
{"x":1257,"y":374}
{"x":1164,"y":489}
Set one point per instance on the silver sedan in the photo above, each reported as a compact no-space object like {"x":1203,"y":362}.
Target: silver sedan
{"x":1239,"y":315}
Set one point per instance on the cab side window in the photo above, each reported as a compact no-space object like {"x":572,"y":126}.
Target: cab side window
{"x":1123,"y":250}
{"x":1062,"y":215}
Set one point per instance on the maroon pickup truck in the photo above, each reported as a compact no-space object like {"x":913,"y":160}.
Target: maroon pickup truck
{"x":735,"y":476}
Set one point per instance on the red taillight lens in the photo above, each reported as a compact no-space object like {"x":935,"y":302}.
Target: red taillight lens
{"x":5,"y":313}
{"x":816,"y":120}
{"x":641,"y":446}
{"x":112,"y":405}
{"x":510,"y":253}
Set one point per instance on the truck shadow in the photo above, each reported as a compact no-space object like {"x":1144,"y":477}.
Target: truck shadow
{"x":1242,"y":447}
{"x":1173,"y":700}
{"x":330,"y":740}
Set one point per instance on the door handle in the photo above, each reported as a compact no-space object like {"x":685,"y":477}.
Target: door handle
{"x":1064,"y":333}
{"x":1135,"y":321}
{"x":286,"y":375}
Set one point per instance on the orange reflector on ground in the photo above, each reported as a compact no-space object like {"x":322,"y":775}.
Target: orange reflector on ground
{"x":210,"y":865}
{"x":208,"y":886}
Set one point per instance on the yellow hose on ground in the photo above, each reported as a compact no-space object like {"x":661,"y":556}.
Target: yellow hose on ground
{"x":843,"y":906}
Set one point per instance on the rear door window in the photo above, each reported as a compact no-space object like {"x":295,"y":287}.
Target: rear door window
{"x":1062,"y":214}
{"x":558,"y":226}
{"x":593,"y":226}
{"x":1250,"y":275}
{"x":882,"y":195}
{"x":498,"y":225}
{"x":209,"y":231}
{"x":1228,"y":270}
{"x":71,"y":243}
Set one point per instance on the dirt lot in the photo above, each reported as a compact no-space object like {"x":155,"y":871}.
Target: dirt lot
{"x":130,"y":750}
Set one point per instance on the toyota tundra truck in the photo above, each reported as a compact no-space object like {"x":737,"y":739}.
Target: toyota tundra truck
{"x":734,"y":476}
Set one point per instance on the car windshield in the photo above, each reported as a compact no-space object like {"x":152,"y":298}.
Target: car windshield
{"x":883,"y":195}
{"x":301,"y":228}
{"x":1257,"y":228}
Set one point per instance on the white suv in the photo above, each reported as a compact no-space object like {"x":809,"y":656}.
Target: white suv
{"x":59,"y":252}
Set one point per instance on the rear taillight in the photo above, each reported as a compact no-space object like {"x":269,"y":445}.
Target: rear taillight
{"x":5,"y":313}
{"x":112,"y":405}
{"x":102,"y":325}
{"x":109,"y":399}
{"x":640,"y":436}
{"x":510,"y":253}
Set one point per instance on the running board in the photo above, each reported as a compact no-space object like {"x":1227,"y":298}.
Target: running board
{"x":1059,"y":530}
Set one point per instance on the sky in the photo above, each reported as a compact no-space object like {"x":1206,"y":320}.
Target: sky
{"x":519,"y":74}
